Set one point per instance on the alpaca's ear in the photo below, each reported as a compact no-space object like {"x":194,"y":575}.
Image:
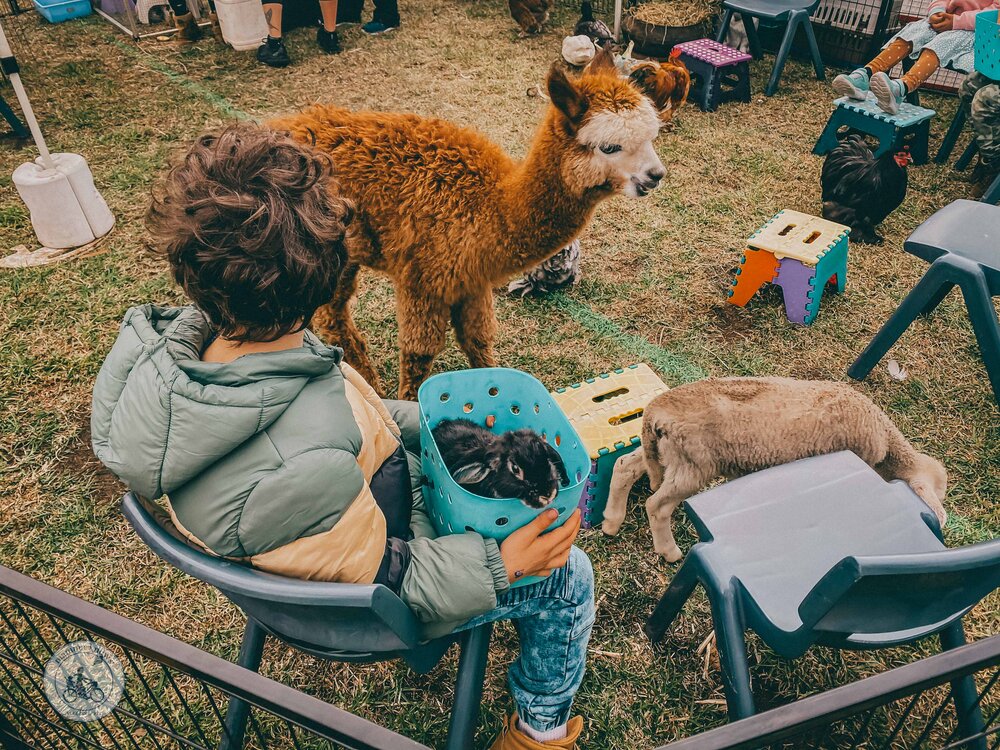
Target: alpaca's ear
{"x":604,"y":61}
{"x":566,"y":97}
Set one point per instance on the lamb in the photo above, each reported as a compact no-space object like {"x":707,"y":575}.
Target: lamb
{"x":729,"y":427}
{"x":449,"y":216}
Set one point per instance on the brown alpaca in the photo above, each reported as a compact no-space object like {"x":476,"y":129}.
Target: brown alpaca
{"x":449,"y":216}
{"x":729,"y":427}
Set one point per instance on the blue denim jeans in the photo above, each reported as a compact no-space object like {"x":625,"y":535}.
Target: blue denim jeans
{"x":553,"y":619}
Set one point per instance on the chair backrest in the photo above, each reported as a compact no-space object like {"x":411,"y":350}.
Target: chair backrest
{"x":327,"y":617}
{"x":897,"y":593}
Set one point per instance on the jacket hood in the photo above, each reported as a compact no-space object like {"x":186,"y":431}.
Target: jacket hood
{"x":161,"y":415}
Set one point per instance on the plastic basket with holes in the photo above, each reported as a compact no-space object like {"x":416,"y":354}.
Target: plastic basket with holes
{"x":987,"y":44}
{"x":515,"y":400}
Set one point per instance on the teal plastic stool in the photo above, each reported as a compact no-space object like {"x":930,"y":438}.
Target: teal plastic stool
{"x":911,"y":127}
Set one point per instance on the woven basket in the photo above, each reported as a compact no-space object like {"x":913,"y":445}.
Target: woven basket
{"x":656,"y":40}
{"x":987,"y":45}
{"x":516,"y":400}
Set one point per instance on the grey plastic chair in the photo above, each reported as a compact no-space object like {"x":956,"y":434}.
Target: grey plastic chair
{"x":961,"y":243}
{"x":791,"y":14}
{"x":824,"y":551}
{"x":336,"y":621}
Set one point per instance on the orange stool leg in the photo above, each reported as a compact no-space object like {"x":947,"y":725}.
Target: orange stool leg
{"x":758,"y":268}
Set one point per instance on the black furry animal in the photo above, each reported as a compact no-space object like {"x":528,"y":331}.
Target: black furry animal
{"x":860,"y":190}
{"x":561,"y":270}
{"x":597,"y":30}
{"x":518,"y":464}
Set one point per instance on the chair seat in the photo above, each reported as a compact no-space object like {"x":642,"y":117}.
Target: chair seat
{"x":780,"y":531}
{"x":970,"y":229}
{"x":770,"y":9}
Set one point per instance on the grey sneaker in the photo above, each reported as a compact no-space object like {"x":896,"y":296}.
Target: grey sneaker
{"x":889,"y":92}
{"x":853,"y":85}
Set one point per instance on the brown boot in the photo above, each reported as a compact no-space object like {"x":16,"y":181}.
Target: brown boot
{"x":187,"y":29}
{"x":216,"y":27}
{"x":512,"y":738}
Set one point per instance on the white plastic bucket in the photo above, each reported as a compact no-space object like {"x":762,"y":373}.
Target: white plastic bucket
{"x":66,"y":209}
{"x":242,"y":22}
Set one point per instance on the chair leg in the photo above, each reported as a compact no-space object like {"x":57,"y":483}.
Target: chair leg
{"x":469,"y":688}
{"x":681,"y":587}
{"x":13,"y":120}
{"x":983,"y":317}
{"x":964,"y":693}
{"x":753,"y":38}
{"x":727,"y":18}
{"x":237,"y":712}
{"x":732,"y":647}
{"x":911,"y":306}
{"x":951,"y":137}
{"x":937,"y":298}
{"x":786,"y":47}
{"x":992,"y":194}
{"x":967,"y":156}
{"x":814,"y":49}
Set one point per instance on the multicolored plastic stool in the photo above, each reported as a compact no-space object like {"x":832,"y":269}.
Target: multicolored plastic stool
{"x":719,"y":73}
{"x":606,"y":412}
{"x":911,"y":127}
{"x":801,"y":254}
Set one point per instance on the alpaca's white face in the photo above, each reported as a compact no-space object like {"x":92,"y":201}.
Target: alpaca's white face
{"x":620,"y":146}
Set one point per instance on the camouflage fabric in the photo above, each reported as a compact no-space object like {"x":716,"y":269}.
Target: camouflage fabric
{"x":981,"y":98}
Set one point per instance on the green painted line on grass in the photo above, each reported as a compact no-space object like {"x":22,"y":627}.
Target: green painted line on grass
{"x":217,"y":100}
{"x":673,"y":366}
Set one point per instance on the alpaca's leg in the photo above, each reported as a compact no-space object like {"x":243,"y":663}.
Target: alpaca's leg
{"x":475,"y":325}
{"x":660,"y":508}
{"x":628,"y":470}
{"x":334,"y":323}
{"x":422,"y":325}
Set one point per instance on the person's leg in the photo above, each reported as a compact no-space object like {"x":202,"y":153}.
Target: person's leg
{"x":553,"y":619}
{"x":984,"y":112}
{"x":385,"y":18}
{"x":856,"y":84}
{"x":922,"y":69}
{"x":272,"y":52}
{"x":326,"y":34}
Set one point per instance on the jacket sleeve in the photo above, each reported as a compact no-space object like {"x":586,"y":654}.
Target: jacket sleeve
{"x":966,"y":21}
{"x":453,"y":578}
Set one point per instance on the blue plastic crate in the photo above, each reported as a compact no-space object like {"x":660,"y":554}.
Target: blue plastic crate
{"x":987,"y":45}
{"x":516,"y":400}
{"x":57,"y":11}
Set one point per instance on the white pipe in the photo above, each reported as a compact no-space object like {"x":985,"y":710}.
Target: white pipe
{"x":22,"y":97}
{"x":618,"y":20}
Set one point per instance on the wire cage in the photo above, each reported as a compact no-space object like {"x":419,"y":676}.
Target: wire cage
{"x":141,"y":19}
{"x":147,"y":690}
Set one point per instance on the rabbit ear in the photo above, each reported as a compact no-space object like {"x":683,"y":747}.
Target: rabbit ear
{"x":471,"y":473}
{"x":557,"y":461}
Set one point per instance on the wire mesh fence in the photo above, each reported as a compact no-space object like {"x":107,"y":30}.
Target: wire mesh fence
{"x":73,"y":675}
{"x":908,"y":708}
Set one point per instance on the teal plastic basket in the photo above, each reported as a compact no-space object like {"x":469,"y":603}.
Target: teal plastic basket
{"x":516,"y":400}
{"x":987,"y":45}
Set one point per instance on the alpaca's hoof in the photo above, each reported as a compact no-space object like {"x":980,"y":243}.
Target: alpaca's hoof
{"x":611,"y":527}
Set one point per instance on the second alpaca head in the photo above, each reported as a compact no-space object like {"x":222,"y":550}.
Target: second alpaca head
{"x":612,"y":126}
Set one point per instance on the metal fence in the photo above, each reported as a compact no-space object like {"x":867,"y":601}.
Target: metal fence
{"x":167,"y":694}
{"x":908,"y":708}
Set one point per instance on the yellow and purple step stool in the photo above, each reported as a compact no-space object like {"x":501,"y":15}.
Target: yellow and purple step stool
{"x":910,"y":127}
{"x":606,"y":412}
{"x":801,"y":254}
{"x":719,"y":73}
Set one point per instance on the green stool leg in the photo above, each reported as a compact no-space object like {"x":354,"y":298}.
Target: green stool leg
{"x":828,"y":140}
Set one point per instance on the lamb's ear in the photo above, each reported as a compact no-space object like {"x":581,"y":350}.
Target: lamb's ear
{"x":471,"y":473}
{"x":566,"y":97}
{"x":604,"y":61}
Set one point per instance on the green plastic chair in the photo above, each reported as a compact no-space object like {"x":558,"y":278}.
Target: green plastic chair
{"x":824,"y":551}
{"x":791,"y":14}
{"x":336,"y":621}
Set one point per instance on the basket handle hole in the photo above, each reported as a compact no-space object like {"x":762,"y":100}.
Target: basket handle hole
{"x":494,"y":391}
{"x":515,"y":409}
{"x":469,"y":528}
{"x":558,"y":439}
{"x":537,"y":408}
{"x":502,"y":521}
{"x":467,"y":408}
{"x":445,"y":397}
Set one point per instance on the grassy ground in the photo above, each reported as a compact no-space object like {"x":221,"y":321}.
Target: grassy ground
{"x":655,"y":275}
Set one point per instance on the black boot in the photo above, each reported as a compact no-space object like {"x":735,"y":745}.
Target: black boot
{"x":327,"y":41}
{"x":273,"y":53}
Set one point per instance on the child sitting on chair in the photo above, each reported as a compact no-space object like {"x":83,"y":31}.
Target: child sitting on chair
{"x":945,"y":37}
{"x":275,"y":452}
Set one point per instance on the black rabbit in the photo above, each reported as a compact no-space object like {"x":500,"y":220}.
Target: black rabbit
{"x":512,"y":464}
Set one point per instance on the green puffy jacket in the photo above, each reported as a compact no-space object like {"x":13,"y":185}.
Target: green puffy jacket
{"x":287,"y":460}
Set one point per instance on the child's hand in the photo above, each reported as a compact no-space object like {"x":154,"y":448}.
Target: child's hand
{"x":942,"y":21}
{"x":531,"y":552}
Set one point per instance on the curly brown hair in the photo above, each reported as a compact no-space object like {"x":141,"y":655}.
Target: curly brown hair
{"x":254,"y":228}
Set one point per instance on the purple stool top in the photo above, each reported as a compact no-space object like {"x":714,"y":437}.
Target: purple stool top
{"x":715,"y":53}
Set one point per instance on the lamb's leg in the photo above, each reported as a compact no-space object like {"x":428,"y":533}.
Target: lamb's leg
{"x":475,"y":325}
{"x":660,"y":508}
{"x":335,"y":324}
{"x":422,"y":325}
{"x":628,"y":470}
